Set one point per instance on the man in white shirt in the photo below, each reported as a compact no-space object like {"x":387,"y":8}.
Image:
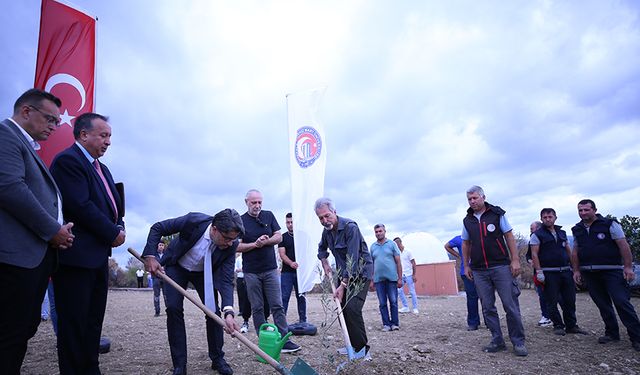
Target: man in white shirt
{"x":408,"y":278}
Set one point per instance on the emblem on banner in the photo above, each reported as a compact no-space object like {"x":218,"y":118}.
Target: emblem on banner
{"x":308,"y":146}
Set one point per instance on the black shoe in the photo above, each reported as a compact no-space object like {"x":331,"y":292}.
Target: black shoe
{"x":493,"y":347}
{"x":156,"y":315}
{"x":222,"y":367}
{"x":180,"y":370}
{"x":290,"y":347}
{"x":577,"y":330}
{"x":472,"y":328}
{"x":607,"y":339}
{"x":636,"y":345}
{"x":559,"y":331}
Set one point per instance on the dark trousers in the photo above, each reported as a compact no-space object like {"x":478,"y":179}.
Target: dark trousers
{"x":21,"y":294}
{"x":139,"y":281}
{"x":244,"y":305}
{"x":473,"y":317}
{"x":289,"y":282}
{"x":352,"y":311}
{"x":158,"y":286}
{"x":81,"y":300}
{"x":175,"y":317}
{"x":609,"y":286}
{"x":559,"y":287}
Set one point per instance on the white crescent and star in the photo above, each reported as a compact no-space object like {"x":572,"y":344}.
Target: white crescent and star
{"x":59,"y":78}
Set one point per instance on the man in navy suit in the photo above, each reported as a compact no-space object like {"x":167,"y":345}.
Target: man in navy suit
{"x":31,"y":225}
{"x":203,"y":254}
{"x":92,"y":202}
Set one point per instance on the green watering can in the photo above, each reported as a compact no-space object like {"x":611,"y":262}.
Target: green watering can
{"x":270,"y":341}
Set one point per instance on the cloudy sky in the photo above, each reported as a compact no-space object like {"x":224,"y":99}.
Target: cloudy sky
{"x":536,"y":101}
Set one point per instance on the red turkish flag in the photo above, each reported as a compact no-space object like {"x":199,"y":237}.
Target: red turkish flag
{"x":66,"y":68}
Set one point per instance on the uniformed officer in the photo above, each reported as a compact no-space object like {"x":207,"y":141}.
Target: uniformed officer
{"x":550,"y":253}
{"x":600,"y":253}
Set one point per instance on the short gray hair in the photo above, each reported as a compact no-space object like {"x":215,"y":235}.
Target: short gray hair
{"x":537,"y":224}
{"x":252,"y":191}
{"x":379,"y":226}
{"x":475,"y":189}
{"x":324,"y":201}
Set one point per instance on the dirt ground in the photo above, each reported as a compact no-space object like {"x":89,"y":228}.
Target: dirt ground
{"x":435,"y":342}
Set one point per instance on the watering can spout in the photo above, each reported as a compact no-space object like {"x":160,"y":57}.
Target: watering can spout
{"x":280,"y":342}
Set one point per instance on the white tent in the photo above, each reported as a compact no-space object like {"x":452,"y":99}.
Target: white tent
{"x":425,"y":247}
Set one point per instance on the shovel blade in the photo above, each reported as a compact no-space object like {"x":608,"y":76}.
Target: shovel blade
{"x":301,"y":367}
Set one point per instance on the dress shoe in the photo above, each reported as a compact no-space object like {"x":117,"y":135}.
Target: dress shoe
{"x":472,"y":328}
{"x":180,"y":370}
{"x":607,"y":339}
{"x":577,"y":330}
{"x":222,"y":367}
{"x":636,"y":345}
{"x":520,"y":350}
{"x":559,"y":331}
{"x":493,"y":347}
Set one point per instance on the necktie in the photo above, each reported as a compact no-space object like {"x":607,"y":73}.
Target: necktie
{"x":96,"y":164}
{"x":209,"y":299}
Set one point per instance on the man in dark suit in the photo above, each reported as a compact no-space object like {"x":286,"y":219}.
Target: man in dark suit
{"x":203,"y":254}
{"x":95,"y":206}
{"x":31,"y":225}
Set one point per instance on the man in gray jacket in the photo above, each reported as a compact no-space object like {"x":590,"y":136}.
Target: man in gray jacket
{"x":31,"y":224}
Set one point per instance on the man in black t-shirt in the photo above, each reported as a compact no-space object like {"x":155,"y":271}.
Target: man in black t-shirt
{"x":288,"y":276}
{"x":262,"y":232}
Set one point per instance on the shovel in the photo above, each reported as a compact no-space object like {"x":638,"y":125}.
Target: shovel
{"x":351,"y":353}
{"x":300,"y":367}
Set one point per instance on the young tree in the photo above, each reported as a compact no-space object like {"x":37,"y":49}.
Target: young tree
{"x":631,"y":228}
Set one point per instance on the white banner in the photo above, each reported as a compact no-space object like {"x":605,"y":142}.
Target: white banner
{"x":308,"y":152}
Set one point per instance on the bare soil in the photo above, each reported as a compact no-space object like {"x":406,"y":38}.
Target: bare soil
{"x":434,"y":342}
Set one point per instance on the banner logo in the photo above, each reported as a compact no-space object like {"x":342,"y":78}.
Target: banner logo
{"x":308,"y":146}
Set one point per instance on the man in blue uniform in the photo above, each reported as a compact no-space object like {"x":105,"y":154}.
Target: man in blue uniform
{"x":550,"y":253}
{"x":600,"y":253}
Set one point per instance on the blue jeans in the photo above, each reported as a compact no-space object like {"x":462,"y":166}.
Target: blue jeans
{"x":473,"y":318}
{"x":289,"y":282}
{"x":542,"y":300}
{"x":499,"y":279}
{"x":408,"y":281}
{"x":53,"y":314}
{"x":388,"y":290}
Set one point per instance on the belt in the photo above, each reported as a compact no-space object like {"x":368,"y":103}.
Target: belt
{"x":556,"y":269}
{"x":600,"y":267}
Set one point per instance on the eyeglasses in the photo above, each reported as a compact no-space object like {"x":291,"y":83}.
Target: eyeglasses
{"x":228,"y":238}
{"x":51,"y":119}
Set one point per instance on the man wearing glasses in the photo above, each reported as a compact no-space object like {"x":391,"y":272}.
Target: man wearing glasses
{"x":203,"y":254}
{"x":262,"y":232}
{"x":31,"y":224}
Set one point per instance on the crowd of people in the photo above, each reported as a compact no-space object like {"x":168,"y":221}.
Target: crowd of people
{"x":62,"y":223}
